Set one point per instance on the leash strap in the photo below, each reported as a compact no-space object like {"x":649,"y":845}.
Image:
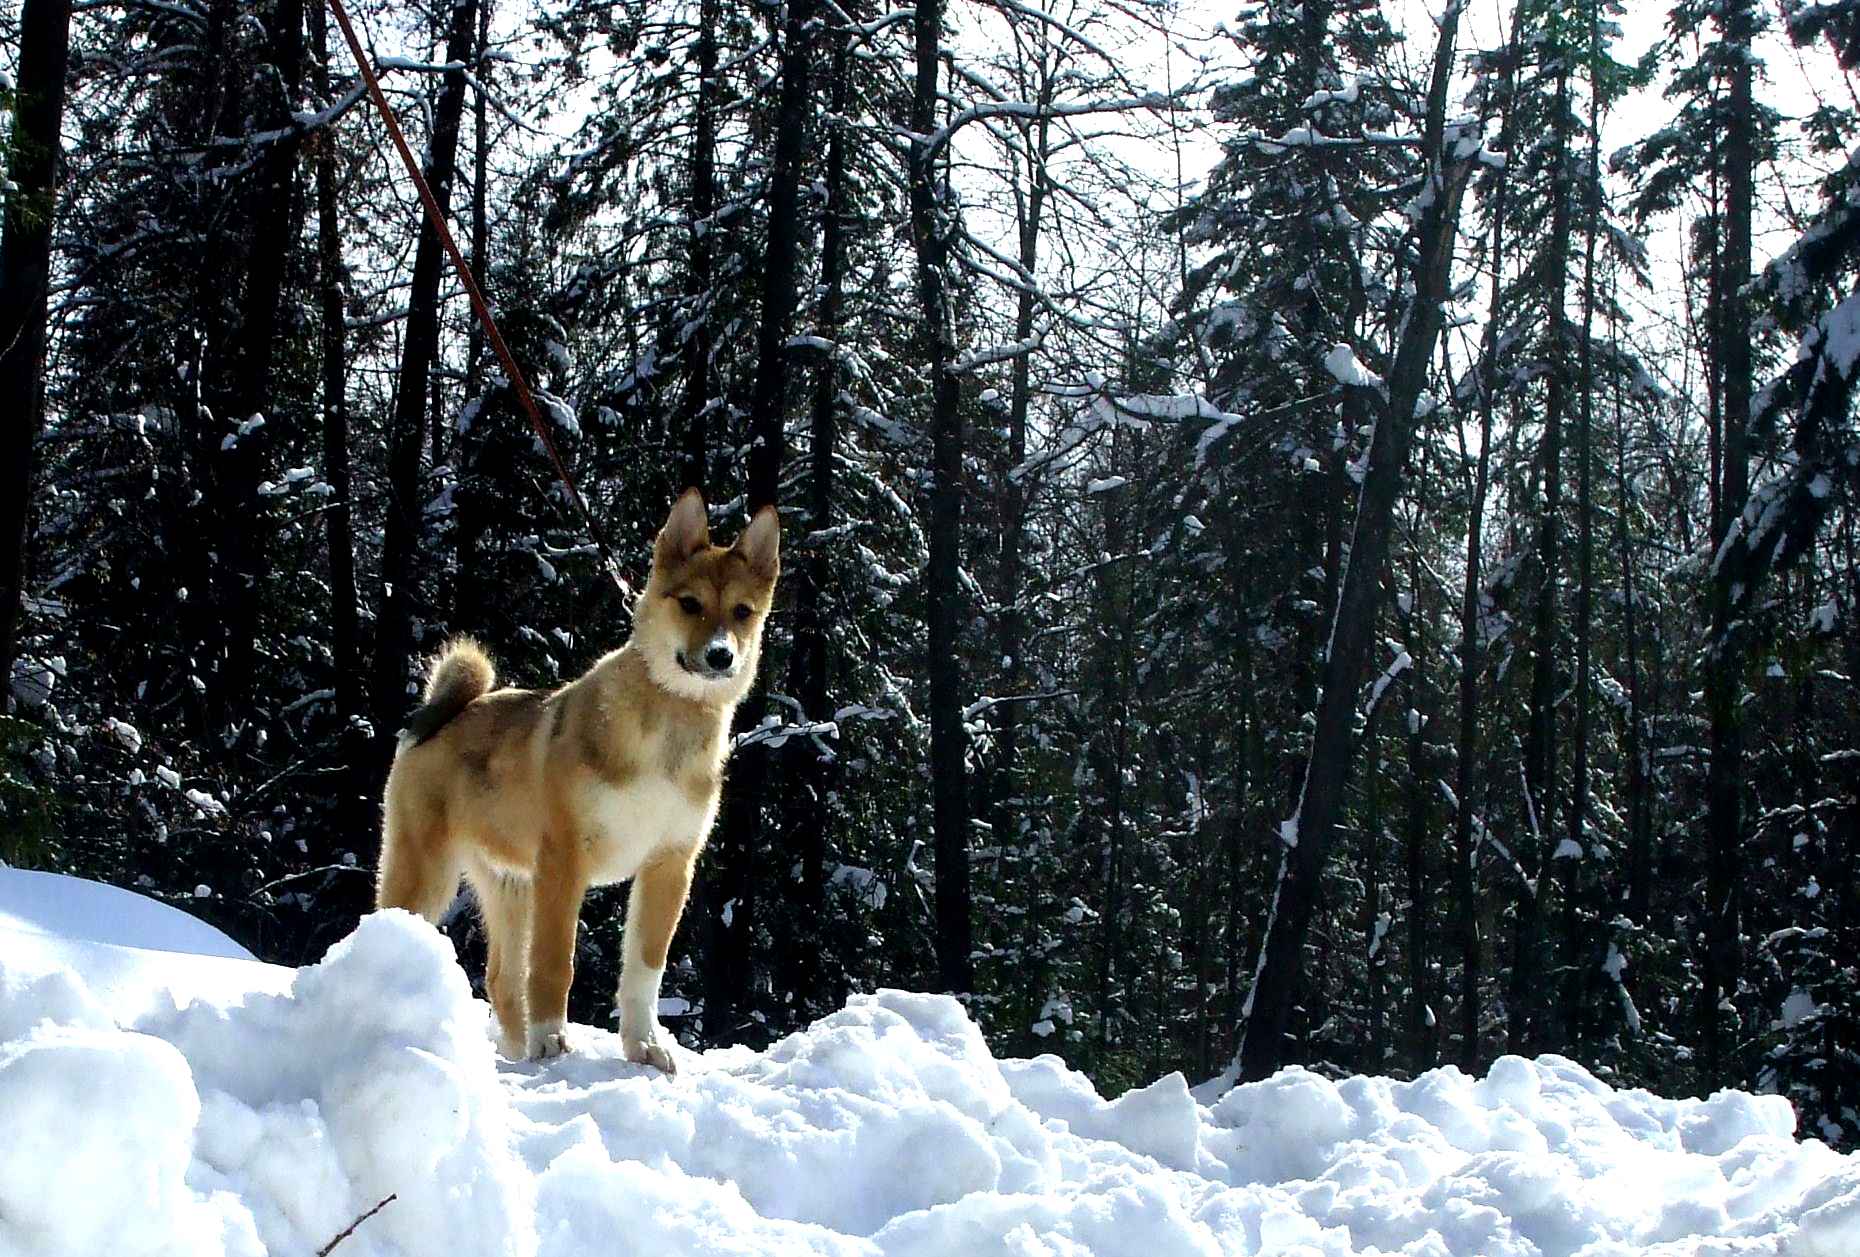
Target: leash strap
{"x":478,"y":303}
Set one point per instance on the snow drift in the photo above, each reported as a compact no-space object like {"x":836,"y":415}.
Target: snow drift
{"x":264,"y":1110}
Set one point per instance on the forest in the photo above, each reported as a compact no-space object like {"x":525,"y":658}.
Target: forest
{"x":1314,"y":533}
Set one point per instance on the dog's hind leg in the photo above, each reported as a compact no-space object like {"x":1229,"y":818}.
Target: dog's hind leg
{"x":419,"y":863}
{"x":504,"y":902}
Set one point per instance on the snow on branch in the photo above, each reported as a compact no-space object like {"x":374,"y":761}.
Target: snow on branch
{"x":976,"y":359}
{"x":1398,"y":665}
{"x":1032,"y":112}
{"x":1348,"y":369}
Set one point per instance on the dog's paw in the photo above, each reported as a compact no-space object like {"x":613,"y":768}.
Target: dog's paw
{"x":548,"y":1041}
{"x":651,"y":1052}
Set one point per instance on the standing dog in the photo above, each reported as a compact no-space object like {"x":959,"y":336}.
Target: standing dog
{"x":535,"y":796}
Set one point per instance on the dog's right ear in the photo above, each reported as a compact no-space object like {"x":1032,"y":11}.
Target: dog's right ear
{"x":686,"y":531}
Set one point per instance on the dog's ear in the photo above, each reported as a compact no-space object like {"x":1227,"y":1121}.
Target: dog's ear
{"x":686,"y":531}
{"x":760,"y":544}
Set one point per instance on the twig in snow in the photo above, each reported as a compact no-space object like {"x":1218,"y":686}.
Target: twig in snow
{"x":349,"y":1230}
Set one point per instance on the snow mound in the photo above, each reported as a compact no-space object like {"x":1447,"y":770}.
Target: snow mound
{"x":134,"y":953}
{"x":266,"y":1122}
{"x":72,"y":908}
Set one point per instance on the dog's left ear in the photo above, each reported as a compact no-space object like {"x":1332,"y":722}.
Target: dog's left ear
{"x":760,"y":544}
{"x":686,"y":530}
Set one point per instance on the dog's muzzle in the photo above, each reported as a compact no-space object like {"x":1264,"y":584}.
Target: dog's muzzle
{"x":716,"y":662}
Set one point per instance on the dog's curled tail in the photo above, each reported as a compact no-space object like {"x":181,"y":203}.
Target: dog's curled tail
{"x":459,"y":673}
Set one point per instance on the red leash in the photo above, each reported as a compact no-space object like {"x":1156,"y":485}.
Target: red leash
{"x":478,"y":304}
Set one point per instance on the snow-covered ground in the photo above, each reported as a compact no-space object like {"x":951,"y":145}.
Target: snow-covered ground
{"x":262,"y":1110}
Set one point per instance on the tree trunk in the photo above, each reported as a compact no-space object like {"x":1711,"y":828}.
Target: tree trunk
{"x":1312,"y":829}
{"x":1465,"y":841}
{"x":750,"y":771}
{"x":480,"y":200}
{"x":1640,"y":810}
{"x":1525,"y":1001}
{"x":1375,"y":939}
{"x":469,"y":522}
{"x":25,"y":277}
{"x":949,"y":782}
{"x":810,"y":767}
{"x":1421,"y":1020}
{"x":339,"y":518}
{"x":241,"y":464}
{"x":1011,"y":628}
{"x":395,"y":642}
{"x":694,"y":406}
{"x":1575,"y":947}
{"x":1724,"y":675}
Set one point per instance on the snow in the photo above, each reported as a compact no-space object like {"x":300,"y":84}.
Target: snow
{"x":133,"y":952}
{"x":277,"y":1108}
{"x":1348,"y":369}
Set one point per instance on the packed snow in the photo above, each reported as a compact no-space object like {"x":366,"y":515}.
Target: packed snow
{"x":255,"y":1110}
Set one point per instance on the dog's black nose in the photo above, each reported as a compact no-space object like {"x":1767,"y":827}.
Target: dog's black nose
{"x":719,"y":658}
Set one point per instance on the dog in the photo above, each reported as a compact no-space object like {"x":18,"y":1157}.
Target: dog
{"x":533,"y":796}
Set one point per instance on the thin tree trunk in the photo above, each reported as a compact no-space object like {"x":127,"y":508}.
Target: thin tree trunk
{"x":694,"y":407}
{"x":1724,"y":675}
{"x":480,"y":199}
{"x":1575,"y":960}
{"x":241,"y":463}
{"x":1420,"y":908}
{"x":1312,"y":829}
{"x":1640,"y":812}
{"x":339,"y":518}
{"x":1465,"y":842}
{"x":25,"y":281}
{"x":1011,"y":627}
{"x":810,"y":767}
{"x":1376,"y":939}
{"x":930,"y":236}
{"x":750,"y":773}
{"x":1525,"y":1001}
{"x":395,"y":642}
{"x":468,"y":603}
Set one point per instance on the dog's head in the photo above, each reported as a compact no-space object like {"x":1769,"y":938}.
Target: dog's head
{"x":699,"y":622}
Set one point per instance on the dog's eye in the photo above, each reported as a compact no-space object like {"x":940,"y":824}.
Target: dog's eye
{"x":742,"y":611}
{"x":691,"y":605}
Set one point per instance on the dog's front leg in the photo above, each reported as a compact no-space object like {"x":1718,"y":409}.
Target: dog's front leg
{"x":653,"y":909}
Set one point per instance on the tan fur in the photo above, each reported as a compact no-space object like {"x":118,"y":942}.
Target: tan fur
{"x":533,"y":797}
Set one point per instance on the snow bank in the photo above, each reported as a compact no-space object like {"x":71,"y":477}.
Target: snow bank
{"x":266,"y":1121}
{"x":133,"y":952}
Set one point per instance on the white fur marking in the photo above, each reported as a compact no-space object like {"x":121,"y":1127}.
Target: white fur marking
{"x":668,"y":676}
{"x":547,"y":1039}
{"x":639,"y":999}
{"x":628,"y":823}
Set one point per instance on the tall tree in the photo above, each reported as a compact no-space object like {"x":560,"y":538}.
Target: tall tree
{"x":698,"y":343}
{"x":248,"y":395}
{"x":339,"y":518}
{"x":741,"y":839}
{"x":930,"y":239}
{"x":396,"y":639}
{"x":1308,"y":835}
{"x":1525,"y":1000}
{"x":1724,"y":679}
{"x":810,"y":764}
{"x":1499,"y":74}
{"x":25,"y":279}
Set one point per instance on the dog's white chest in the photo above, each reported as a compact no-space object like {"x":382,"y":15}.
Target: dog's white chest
{"x":626,"y":824}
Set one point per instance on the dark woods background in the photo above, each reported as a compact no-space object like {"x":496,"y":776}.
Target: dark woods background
{"x":1100,"y":555}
